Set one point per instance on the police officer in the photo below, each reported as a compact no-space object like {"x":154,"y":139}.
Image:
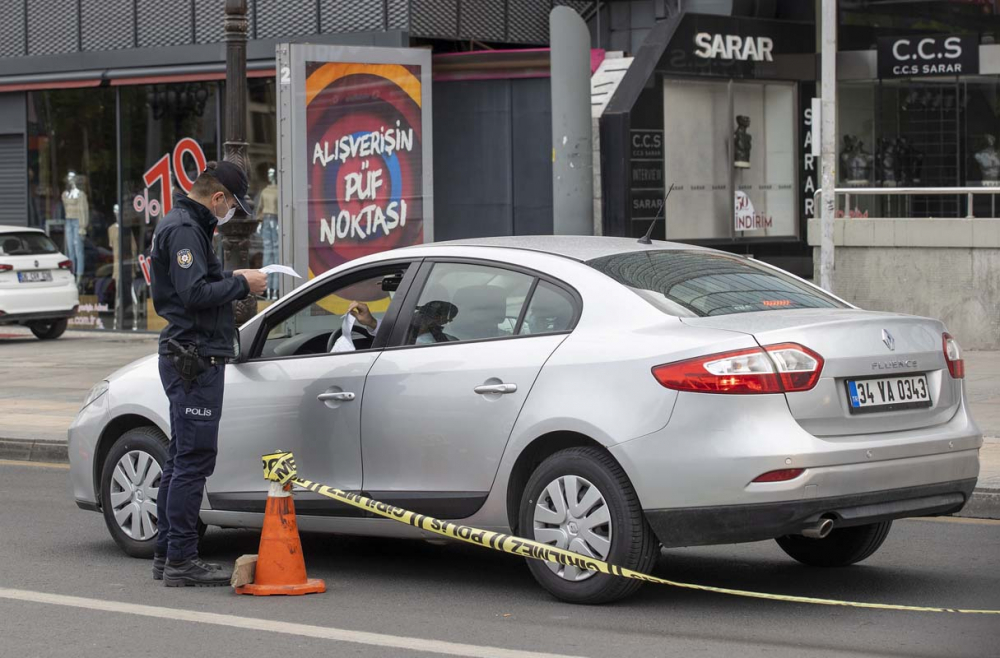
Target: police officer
{"x":195,"y":296}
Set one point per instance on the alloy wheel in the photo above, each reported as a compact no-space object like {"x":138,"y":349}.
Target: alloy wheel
{"x":571,"y":514}
{"x":135,"y":485}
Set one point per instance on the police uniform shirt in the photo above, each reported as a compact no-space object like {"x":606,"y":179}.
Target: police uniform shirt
{"x":189,"y":288}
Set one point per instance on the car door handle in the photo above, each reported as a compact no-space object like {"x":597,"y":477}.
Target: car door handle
{"x":343,"y":396}
{"x":502,"y":389}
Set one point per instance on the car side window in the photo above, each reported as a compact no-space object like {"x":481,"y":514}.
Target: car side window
{"x":314,"y":324}
{"x":550,"y":310}
{"x":461,"y":302}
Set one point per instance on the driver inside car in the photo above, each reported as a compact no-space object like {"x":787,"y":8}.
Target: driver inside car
{"x":427,"y":323}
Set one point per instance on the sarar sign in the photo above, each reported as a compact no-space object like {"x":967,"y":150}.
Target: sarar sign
{"x":733,"y":46}
{"x":925,"y":56}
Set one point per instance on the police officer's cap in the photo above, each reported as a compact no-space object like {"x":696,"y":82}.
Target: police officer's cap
{"x":234,"y":180}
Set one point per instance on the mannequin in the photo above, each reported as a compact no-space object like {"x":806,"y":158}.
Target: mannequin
{"x":742,"y":140}
{"x":77,"y":211}
{"x":988,"y":160}
{"x":268,"y":207}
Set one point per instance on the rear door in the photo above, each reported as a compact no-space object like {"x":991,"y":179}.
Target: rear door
{"x":30,"y":260}
{"x":441,"y":402}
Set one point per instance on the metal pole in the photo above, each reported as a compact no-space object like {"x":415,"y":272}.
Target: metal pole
{"x":236,"y":233}
{"x":828,"y":58}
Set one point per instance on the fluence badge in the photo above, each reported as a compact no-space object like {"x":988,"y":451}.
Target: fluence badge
{"x":184,"y":258}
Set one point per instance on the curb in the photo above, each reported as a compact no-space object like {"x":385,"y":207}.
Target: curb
{"x":34,"y":450}
{"x":984,"y":504}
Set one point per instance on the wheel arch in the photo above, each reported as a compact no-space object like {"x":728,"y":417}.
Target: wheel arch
{"x":534,"y":454}
{"x":111,"y":433}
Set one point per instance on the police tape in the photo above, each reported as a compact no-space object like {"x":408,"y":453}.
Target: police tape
{"x":280,"y":467}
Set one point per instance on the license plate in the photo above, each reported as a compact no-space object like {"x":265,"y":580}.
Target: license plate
{"x":888,"y":394}
{"x":33,"y":277}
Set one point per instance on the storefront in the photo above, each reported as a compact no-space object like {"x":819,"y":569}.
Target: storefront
{"x":103,"y":163}
{"x":715,"y":111}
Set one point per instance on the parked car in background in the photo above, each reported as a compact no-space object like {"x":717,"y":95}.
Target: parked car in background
{"x":596,"y":394}
{"x":37,"y":285}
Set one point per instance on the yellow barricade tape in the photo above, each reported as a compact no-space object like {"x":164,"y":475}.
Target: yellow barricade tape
{"x":280,"y":467}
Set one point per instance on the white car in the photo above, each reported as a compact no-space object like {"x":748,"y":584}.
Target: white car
{"x":37,"y":286}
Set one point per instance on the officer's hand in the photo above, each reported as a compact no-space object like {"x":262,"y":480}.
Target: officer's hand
{"x":256,"y":279}
{"x":361,"y":312}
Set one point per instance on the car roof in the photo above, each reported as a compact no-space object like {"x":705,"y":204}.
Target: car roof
{"x":18,"y":229}
{"x":577,"y":247}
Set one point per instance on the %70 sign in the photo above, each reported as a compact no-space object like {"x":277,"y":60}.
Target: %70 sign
{"x":170,"y":163}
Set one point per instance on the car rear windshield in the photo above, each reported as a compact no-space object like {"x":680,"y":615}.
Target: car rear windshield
{"x":702,"y":283}
{"x":28,"y":243}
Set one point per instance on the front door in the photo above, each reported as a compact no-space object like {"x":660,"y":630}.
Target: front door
{"x":441,"y":403}
{"x":295,"y":393}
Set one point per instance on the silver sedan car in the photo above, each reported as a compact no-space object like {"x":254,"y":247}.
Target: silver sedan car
{"x":595,"y":394}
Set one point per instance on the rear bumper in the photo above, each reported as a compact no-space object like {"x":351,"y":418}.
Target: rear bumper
{"x":28,"y":303}
{"x":729,"y":524}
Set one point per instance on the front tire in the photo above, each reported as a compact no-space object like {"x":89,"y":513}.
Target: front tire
{"x":130,"y":481}
{"x":581,"y":500}
{"x":49,"y":330}
{"x":842,"y":547}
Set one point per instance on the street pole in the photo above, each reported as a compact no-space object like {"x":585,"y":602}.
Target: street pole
{"x":828,"y":135}
{"x":236,"y":232}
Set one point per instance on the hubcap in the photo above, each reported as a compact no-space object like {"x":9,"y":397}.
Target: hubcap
{"x":571,"y":513}
{"x":135,"y":484}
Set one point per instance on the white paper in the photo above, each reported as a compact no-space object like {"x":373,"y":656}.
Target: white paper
{"x":344,"y":343}
{"x":280,"y":269}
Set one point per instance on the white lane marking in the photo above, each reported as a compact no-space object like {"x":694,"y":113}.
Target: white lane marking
{"x":15,"y":462}
{"x":267,"y":625}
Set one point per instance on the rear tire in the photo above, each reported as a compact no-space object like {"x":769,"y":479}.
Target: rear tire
{"x":49,"y":330}
{"x":841,"y":548}
{"x":632,"y":542}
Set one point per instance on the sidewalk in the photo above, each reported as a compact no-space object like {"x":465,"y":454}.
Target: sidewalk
{"x":42,"y":385}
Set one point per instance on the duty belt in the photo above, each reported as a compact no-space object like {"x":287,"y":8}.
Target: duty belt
{"x":189,"y":363}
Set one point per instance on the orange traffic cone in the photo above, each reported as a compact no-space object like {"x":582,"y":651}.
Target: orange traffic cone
{"x":281,"y":568}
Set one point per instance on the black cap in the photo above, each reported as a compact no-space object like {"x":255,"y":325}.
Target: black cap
{"x":234,"y":180}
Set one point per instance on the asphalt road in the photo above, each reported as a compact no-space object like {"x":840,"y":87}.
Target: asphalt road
{"x":66,"y":590}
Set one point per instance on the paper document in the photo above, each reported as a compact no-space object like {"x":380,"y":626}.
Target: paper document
{"x":345,"y":343}
{"x":280,"y":269}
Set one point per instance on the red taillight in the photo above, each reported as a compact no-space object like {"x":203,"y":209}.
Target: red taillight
{"x":66,"y":265}
{"x":783,"y":475}
{"x":953,"y":356}
{"x":783,"y":368}
{"x":6,"y":268}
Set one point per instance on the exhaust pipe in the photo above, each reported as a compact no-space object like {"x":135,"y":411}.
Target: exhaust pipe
{"x":818,"y":530}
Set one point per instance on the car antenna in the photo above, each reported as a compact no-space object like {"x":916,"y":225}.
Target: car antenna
{"x":645,"y":239}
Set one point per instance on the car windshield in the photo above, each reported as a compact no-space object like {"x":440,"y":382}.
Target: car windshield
{"x":701,"y":283}
{"x":28,"y":243}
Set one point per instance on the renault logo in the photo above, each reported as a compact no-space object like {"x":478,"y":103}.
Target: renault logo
{"x":889,"y":341}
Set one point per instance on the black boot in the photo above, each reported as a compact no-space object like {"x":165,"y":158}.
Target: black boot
{"x":195,"y":573}
{"x":160,"y":562}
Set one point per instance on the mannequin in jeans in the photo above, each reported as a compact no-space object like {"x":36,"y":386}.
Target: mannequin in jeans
{"x":267,"y":206}
{"x":77,"y":213}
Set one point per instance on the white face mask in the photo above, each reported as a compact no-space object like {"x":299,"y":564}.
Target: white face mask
{"x":225,"y":218}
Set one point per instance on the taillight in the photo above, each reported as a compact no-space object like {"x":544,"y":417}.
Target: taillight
{"x":6,"y":268}
{"x":783,"y":368}
{"x":953,"y":356}
{"x":66,"y":265}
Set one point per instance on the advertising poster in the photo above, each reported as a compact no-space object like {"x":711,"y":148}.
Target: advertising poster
{"x":363,"y":160}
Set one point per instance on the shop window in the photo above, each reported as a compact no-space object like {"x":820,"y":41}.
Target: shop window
{"x":168,"y":132}
{"x":71,"y":195}
{"x":262,"y":148}
{"x":729,"y":151}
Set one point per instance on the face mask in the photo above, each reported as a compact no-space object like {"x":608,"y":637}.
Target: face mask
{"x":225,"y":218}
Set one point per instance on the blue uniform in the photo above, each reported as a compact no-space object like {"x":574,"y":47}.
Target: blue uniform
{"x":195,"y":296}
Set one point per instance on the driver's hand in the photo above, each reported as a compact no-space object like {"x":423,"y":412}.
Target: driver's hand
{"x":361,"y":312}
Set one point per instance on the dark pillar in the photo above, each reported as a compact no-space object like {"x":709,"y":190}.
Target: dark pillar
{"x":236,"y":233}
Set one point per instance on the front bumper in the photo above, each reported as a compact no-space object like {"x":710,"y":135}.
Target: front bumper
{"x":83,"y":436}
{"x":730,"y":524}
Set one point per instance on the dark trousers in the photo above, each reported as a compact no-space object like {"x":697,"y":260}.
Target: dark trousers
{"x":194,"y":440}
